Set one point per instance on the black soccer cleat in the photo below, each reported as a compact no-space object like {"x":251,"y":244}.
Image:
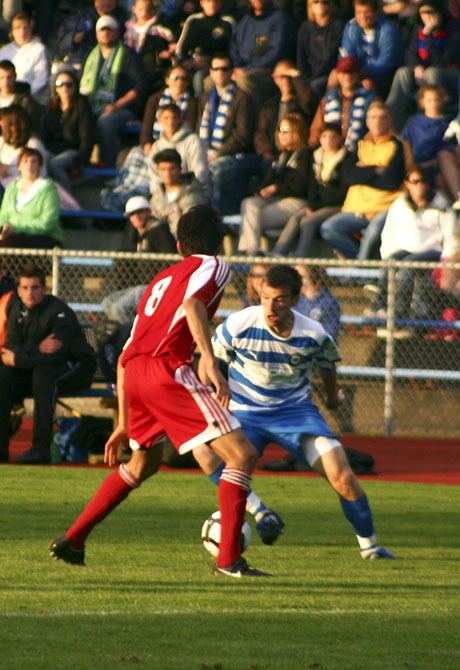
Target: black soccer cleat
{"x":269,"y":526}
{"x":238,"y":570}
{"x":62,"y":550}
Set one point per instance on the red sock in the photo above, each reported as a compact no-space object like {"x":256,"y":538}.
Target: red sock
{"x":111,"y":493}
{"x":233,"y":491}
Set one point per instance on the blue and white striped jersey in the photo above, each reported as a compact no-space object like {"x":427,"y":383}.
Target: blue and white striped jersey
{"x":267,"y":371}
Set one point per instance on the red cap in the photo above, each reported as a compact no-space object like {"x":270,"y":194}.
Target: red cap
{"x":348,"y":64}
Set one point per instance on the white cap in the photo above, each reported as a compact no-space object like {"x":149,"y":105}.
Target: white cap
{"x":135,"y":204}
{"x":106,"y":21}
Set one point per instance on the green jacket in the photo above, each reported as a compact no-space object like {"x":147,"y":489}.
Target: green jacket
{"x":39,"y":216}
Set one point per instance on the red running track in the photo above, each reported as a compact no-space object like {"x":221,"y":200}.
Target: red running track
{"x":401,"y":460}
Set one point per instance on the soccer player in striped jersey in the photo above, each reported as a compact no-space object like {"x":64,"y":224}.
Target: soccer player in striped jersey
{"x":160,"y":394}
{"x":270,"y":350}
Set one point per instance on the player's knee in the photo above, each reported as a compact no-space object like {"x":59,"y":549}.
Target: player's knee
{"x":145,"y":463}
{"x":345,"y":483}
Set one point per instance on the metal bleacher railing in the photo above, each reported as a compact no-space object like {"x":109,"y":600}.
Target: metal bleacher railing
{"x":406,"y":387}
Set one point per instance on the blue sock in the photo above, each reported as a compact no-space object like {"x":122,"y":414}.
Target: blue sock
{"x":215,"y":476}
{"x":359,"y":515}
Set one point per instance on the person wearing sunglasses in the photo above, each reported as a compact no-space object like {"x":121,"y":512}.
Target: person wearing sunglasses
{"x":420,"y":226}
{"x":226,"y":126}
{"x":432,"y":57}
{"x":176,"y":91}
{"x":114,"y":81}
{"x":285,"y":189}
{"x":318,"y":41}
{"x":67,"y":128}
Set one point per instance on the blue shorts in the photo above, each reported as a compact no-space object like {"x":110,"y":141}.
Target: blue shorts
{"x":285,"y":426}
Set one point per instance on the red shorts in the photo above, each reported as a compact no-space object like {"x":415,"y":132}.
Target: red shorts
{"x":163,"y":399}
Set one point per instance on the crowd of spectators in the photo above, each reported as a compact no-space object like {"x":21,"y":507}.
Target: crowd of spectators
{"x":306,"y":119}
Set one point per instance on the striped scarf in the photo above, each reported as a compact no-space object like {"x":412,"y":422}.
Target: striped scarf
{"x":215,"y":114}
{"x":357,"y":115}
{"x":439,"y":36}
{"x":100,"y":77}
{"x":167,"y":99}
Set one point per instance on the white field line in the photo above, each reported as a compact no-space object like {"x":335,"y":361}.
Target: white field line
{"x":189,"y":611}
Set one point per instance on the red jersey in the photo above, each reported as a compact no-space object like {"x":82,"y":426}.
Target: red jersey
{"x":160,"y":327}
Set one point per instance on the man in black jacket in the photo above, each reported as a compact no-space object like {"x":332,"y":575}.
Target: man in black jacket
{"x":45,"y":353}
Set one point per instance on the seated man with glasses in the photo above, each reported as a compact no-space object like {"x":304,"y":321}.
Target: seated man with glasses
{"x":226,"y":126}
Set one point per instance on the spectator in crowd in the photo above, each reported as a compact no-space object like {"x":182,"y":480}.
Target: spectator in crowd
{"x":344,"y":104}
{"x":432,"y":57}
{"x":29,"y":56}
{"x":16,"y":133}
{"x":113,"y":80}
{"x":13,"y":92}
{"x":76,"y":36}
{"x":316,"y":300}
{"x":286,"y":187}
{"x":29,"y":213}
{"x":425,"y":131}
{"x":175,"y":193}
{"x":150,"y":40}
{"x":177,"y":135}
{"x":254,"y":283}
{"x":8,"y":8}
{"x":204,"y":34}
{"x":67,"y":128}
{"x":375,"y":42}
{"x":325,"y":197}
{"x":139,"y":171}
{"x":45,"y":354}
{"x":262,"y":37}
{"x":318,"y":42}
{"x":292,"y":96}
{"x":420,"y":226}
{"x":374,"y":174}
{"x":226,"y":125}
{"x":175,"y":92}
{"x":449,"y":164}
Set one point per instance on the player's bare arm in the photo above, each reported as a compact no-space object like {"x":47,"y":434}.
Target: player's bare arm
{"x":329,"y":379}
{"x":121,"y":431}
{"x":197,"y":320}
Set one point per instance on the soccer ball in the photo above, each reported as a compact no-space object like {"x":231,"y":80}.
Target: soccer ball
{"x":210,"y":534}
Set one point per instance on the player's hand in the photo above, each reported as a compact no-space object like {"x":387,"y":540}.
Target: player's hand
{"x":221,"y":388}
{"x":49,"y":345}
{"x":111,"y":446}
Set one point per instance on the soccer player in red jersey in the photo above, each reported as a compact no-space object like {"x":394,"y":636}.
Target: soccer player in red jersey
{"x":159,"y":393}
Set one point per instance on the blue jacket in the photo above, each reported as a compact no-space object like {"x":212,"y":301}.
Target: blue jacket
{"x":261,"y":41}
{"x":383,"y":55}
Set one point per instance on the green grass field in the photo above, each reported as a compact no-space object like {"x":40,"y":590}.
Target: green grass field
{"x":147,"y":598}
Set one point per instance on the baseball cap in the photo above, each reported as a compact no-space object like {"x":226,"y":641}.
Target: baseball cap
{"x":348,"y":64}
{"x":106,"y":21}
{"x":136,"y":204}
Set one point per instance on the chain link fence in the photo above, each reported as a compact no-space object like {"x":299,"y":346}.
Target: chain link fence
{"x":398,"y":333}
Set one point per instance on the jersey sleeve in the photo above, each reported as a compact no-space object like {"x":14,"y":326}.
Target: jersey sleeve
{"x":222,"y":343}
{"x":208,"y":281}
{"x":328,"y":354}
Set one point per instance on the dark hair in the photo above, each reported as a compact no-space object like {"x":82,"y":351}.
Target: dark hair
{"x":55,"y":101}
{"x":419,"y":170}
{"x":19,"y":130}
{"x":373,"y":4}
{"x":30,"y":151}
{"x":7,"y":65}
{"x":332,"y":127}
{"x":200,"y":231}
{"x":170,"y":107}
{"x":31,"y":271}
{"x":222,"y":55}
{"x":168,"y":156}
{"x":284,"y":276}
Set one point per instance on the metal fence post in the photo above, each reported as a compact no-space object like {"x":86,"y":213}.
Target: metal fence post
{"x":55,"y":272}
{"x":389,"y":390}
